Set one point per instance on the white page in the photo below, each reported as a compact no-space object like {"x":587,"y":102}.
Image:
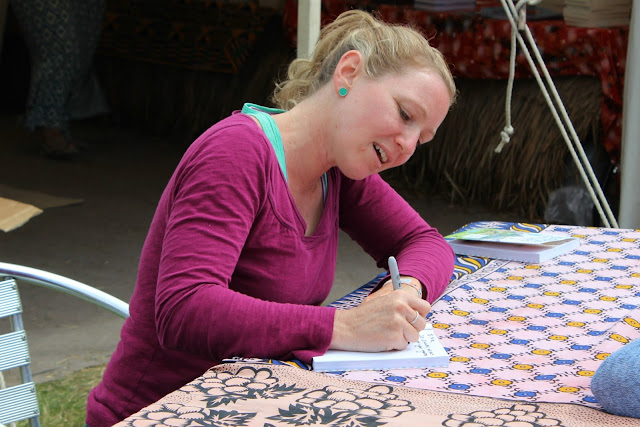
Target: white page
{"x":427,"y":352}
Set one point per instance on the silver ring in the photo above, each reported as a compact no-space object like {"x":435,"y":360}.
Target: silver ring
{"x":416,"y":319}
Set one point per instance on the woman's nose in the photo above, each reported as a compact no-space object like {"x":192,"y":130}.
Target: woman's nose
{"x":407,"y":141}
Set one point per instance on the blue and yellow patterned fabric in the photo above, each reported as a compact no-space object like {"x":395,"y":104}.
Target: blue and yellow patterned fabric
{"x":530,"y":332}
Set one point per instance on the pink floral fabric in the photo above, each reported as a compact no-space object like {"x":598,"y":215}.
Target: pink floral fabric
{"x":245,"y":394}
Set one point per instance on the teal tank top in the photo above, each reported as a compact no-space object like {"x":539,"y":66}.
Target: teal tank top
{"x":263,"y":114}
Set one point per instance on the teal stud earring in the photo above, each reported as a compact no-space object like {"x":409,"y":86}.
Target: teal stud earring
{"x":343,"y":91}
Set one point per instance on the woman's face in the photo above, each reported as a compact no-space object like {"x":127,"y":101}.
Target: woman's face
{"x":382,"y":121}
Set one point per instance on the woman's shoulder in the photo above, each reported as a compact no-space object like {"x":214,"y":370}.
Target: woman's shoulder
{"x":239,"y":128}
{"x":236,"y":136}
{"x":234,"y":148}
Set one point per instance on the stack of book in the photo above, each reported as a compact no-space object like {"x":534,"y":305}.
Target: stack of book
{"x":511,"y":245}
{"x":445,"y":5}
{"x":597,"y":13}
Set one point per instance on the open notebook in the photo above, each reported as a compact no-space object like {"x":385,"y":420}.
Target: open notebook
{"x":427,"y":352}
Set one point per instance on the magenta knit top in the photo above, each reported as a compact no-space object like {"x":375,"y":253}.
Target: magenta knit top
{"x":226,"y":269}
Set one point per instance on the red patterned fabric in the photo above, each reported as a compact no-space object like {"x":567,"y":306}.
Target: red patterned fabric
{"x":479,"y":48}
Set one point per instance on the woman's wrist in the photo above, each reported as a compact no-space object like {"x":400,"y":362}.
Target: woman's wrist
{"x":409,"y":282}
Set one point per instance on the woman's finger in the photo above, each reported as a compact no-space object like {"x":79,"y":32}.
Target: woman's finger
{"x":411,"y":334}
{"x":423,"y":307}
{"x":415,"y":318}
{"x":419,"y":322}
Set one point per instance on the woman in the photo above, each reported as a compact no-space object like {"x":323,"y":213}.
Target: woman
{"x":241,"y":251}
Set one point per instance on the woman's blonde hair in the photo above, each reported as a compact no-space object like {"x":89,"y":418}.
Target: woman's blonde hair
{"x":385,"y":48}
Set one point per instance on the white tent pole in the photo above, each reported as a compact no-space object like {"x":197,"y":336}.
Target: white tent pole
{"x":308,"y":26}
{"x":630,"y":155}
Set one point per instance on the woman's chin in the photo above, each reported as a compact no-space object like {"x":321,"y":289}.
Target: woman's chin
{"x":358,"y":175}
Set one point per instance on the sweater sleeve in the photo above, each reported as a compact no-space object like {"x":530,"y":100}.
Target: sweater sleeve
{"x":384,"y":224}
{"x":210,"y":205}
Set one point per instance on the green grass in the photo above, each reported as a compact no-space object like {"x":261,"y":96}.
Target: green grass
{"x":63,"y":402}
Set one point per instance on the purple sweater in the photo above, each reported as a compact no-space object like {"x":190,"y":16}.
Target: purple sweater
{"x":226,"y":269}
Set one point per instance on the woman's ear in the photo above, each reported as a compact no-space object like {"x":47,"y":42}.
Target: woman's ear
{"x":348,"y":68}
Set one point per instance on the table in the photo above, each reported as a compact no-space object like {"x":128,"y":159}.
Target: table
{"x":523,"y":339}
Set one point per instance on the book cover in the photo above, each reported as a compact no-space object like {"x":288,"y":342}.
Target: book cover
{"x":511,"y":245}
{"x":427,"y":352}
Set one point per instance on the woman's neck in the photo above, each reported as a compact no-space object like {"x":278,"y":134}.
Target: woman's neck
{"x":304,"y":140}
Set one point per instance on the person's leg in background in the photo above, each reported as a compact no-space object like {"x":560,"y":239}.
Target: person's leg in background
{"x":61,"y":36}
{"x":616,"y":383}
{"x":87,"y":97}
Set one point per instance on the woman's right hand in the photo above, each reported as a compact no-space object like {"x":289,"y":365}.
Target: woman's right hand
{"x":387,"y":322}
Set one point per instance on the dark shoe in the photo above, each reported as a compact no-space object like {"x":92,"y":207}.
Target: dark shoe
{"x":56,"y":145}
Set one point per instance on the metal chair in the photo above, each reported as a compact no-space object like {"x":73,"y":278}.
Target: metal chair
{"x":20,"y":402}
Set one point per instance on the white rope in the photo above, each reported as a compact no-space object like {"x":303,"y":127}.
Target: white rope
{"x":589,"y":178}
{"x":505,"y":135}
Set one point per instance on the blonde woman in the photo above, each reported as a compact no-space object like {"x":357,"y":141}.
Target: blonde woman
{"x":242,"y":249}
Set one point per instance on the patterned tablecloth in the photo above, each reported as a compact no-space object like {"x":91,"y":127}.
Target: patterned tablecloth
{"x":530,"y":332}
{"x":478,"y":47}
{"x":524,"y":341}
